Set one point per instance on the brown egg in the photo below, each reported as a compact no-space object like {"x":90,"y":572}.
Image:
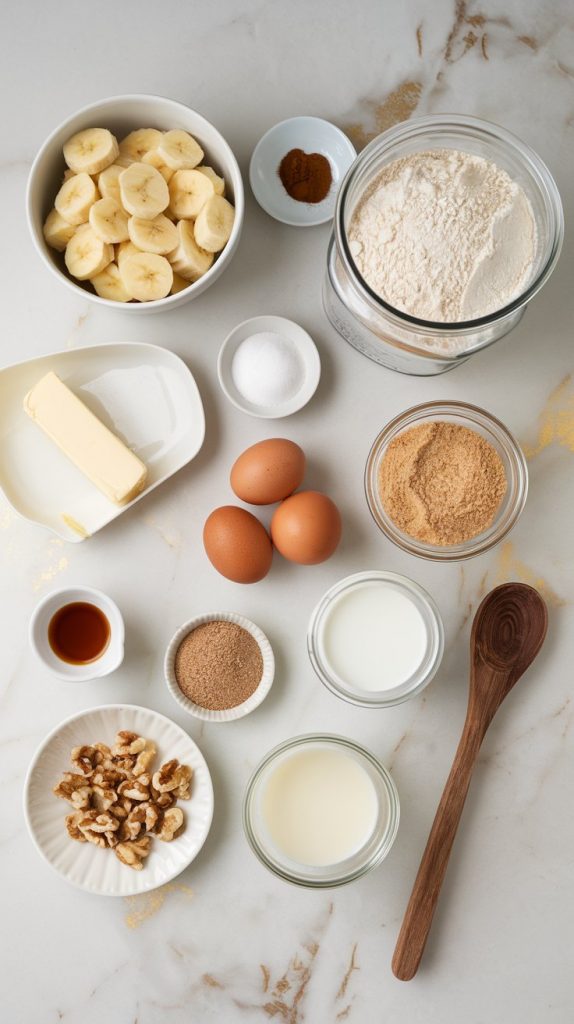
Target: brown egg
{"x":306,"y":528}
{"x":268,"y":471}
{"x":237,"y":545}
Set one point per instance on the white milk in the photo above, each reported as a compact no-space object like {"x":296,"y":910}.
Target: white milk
{"x":319,"y":806}
{"x":374,"y":636}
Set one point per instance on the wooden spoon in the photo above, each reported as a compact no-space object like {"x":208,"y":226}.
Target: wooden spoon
{"x":507,"y":634}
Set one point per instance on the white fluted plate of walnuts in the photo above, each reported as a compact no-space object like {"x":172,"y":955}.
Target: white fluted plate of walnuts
{"x":118,"y":799}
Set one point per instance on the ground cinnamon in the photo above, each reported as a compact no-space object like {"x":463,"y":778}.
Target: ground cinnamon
{"x":441,"y":483}
{"x":306,"y":177}
{"x":218,"y":665}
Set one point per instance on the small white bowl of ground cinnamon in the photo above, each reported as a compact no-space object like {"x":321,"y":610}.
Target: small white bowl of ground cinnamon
{"x":446,"y":480}
{"x":219,"y":666}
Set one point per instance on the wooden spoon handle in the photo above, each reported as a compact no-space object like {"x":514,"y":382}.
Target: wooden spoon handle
{"x":424,"y":896}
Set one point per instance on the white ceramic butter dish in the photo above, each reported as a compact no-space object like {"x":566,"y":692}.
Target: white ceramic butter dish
{"x":143,"y":393}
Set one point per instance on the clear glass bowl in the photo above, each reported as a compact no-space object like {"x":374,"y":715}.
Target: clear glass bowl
{"x":496,"y":434}
{"x":410,"y":687}
{"x":394,"y":338}
{"x":374,"y":850}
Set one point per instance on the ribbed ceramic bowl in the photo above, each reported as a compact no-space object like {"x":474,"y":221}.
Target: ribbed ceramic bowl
{"x":87,"y":866}
{"x":240,"y":710}
{"x":122,"y":114}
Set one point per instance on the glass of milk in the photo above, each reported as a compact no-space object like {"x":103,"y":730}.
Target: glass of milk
{"x":375,"y":639}
{"x":320,"y":811}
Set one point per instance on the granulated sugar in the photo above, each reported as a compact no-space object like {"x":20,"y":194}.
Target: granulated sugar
{"x":444,"y":235}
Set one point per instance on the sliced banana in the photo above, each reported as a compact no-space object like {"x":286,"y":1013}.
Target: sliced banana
{"x":57,"y":231}
{"x":147,"y":276}
{"x":153,"y":158}
{"x":215,"y":179}
{"x":189,"y":190}
{"x":158,"y":235}
{"x":179,"y":283}
{"x":109,"y":182}
{"x":214,"y":224}
{"x":125,"y":249}
{"x":91,"y":150}
{"x":124,"y":161}
{"x":188,"y":260}
{"x":143,"y":190}
{"x":75,"y":198}
{"x":68,"y":173}
{"x":109,"y":221}
{"x":109,"y":284}
{"x":178,"y":149}
{"x":139,"y":142}
{"x":86,"y":254}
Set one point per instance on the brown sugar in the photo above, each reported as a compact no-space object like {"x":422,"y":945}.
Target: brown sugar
{"x":218,"y":665}
{"x":441,"y":483}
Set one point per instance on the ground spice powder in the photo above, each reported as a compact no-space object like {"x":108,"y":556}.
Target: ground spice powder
{"x":441,"y":483}
{"x":306,"y":177}
{"x":218,"y":665}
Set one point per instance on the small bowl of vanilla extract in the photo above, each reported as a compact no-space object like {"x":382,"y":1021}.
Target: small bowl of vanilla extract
{"x":78,"y":633}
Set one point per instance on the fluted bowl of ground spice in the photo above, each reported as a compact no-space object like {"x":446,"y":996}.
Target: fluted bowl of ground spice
{"x":219,"y":666}
{"x":446,"y":481}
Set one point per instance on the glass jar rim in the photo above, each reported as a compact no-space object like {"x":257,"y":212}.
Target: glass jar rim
{"x":486,"y":129}
{"x":385,"y":842}
{"x":474,"y":416}
{"x":425,"y":672}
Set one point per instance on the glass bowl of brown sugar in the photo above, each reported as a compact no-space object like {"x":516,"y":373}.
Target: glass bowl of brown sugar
{"x":446,"y":481}
{"x":219,"y":666}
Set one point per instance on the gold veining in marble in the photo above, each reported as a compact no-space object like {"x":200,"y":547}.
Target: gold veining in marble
{"x":148,"y":904}
{"x":556,"y":421}
{"x":469,"y":29}
{"x":467,"y":33}
{"x":342,"y":990}
{"x":211,"y":982}
{"x":377,"y":115}
{"x":73,"y":335}
{"x":57,"y":563}
{"x":510,"y":567}
{"x":405,"y":735}
{"x":288,"y":992}
{"x":529,"y":41}
{"x":171,"y":537}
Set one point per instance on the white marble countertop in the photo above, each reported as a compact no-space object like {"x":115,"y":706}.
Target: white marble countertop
{"x":227,"y":941}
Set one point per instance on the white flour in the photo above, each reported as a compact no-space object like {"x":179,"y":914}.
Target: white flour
{"x":444,"y":235}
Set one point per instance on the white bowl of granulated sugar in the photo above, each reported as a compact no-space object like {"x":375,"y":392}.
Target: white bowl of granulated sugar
{"x":219,"y":666}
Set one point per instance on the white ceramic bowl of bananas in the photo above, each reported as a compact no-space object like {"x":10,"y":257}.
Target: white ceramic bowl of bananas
{"x":136,"y":203}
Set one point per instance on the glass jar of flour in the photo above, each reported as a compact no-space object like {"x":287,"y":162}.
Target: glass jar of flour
{"x":503,"y":262}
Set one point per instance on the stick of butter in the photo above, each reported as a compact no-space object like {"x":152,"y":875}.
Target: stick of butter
{"x":98,"y":453}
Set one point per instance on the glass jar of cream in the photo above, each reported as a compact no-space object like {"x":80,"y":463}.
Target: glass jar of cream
{"x":391,"y":336}
{"x":320,"y":811}
{"x":375,"y":639}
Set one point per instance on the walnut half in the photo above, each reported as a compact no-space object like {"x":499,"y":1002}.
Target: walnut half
{"x":174,"y":777}
{"x":171,"y":824}
{"x":134,"y":853}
